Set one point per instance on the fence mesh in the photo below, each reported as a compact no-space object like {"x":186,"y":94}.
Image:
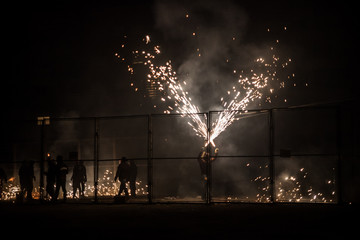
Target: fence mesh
{"x":280,"y":155}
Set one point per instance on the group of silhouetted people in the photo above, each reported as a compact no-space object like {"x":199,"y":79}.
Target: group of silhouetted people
{"x":56,"y":174}
{"x":55,"y":178}
{"x":126,"y":172}
{"x":57,"y":171}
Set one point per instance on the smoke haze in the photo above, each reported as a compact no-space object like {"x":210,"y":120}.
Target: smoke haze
{"x":211,"y":46}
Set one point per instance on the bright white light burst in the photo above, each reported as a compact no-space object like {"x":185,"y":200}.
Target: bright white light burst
{"x":248,"y":87}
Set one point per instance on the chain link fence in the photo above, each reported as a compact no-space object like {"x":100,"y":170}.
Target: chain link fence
{"x":265,"y":156}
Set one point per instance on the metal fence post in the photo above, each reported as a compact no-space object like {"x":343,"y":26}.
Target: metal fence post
{"x":208,"y":163}
{"x":42,"y":121}
{"x":150,"y":160}
{"x":271,"y":155}
{"x":42,"y":155}
{"x":339,"y":153}
{"x":96,"y":158}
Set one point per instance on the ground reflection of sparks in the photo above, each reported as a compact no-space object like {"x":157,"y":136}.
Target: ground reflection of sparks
{"x":106,"y":187}
{"x":288,"y":188}
{"x":294,"y":189}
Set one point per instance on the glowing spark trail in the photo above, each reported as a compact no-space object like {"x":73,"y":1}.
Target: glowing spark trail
{"x":253,"y":87}
{"x":166,"y":80}
{"x":248,"y":89}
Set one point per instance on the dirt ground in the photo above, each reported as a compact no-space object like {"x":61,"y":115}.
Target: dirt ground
{"x":180,"y":221}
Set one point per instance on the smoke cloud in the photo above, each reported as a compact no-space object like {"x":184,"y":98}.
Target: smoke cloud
{"x":210,"y":45}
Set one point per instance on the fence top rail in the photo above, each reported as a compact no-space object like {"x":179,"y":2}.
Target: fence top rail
{"x":101,"y":117}
{"x":183,"y":158}
{"x":334,"y":105}
{"x":262,"y":110}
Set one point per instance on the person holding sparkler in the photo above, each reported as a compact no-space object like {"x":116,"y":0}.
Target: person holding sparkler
{"x":204,"y":159}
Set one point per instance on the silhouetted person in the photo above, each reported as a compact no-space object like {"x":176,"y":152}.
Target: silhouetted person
{"x":79,"y":178}
{"x":3,"y":179}
{"x":61,"y":171}
{"x":51,"y":178}
{"x":123,"y":173}
{"x":202,"y":163}
{"x":26,"y":175}
{"x":132,"y":177}
{"x":203,"y":160}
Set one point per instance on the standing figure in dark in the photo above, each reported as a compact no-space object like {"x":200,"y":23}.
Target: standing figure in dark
{"x":50,"y":178}
{"x":203,"y":160}
{"x":61,"y":171}
{"x":123,"y":173}
{"x":79,"y":178}
{"x":132,"y":177}
{"x":3,"y":179}
{"x":27,"y":176}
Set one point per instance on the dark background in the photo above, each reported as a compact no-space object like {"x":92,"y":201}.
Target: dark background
{"x":63,"y":63}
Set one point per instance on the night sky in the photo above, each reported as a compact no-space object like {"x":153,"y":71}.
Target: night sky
{"x":64,"y":59}
{"x":63,"y":63}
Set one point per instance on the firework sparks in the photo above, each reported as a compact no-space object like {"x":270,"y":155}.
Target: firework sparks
{"x":289,"y":187}
{"x":248,"y":88}
{"x":166,"y":81}
{"x":106,"y":187}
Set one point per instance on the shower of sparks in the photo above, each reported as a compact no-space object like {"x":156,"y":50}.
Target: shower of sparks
{"x":293,"y":188}
{"x":106,"y":187}
{"x":166,"y":81}
{"x":249,"y":87}
{"x":297,"y":186}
